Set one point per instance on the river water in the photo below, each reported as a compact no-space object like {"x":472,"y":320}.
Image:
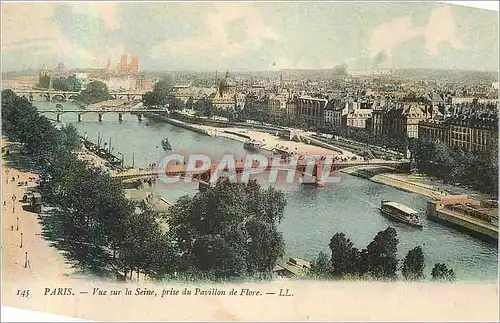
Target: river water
{"x":313,"y":215}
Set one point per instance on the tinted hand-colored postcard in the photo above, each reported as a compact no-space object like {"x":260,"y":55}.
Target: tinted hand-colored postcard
{"x":250,"y":161}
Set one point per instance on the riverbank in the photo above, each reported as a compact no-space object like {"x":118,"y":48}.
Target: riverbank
{"x":413,"y":183}
{"x":30,"y":258}
{"x":188,"y":126}
{"x":269,"y":140}
{"x":149,"y":196}
{"x":142,"y":193}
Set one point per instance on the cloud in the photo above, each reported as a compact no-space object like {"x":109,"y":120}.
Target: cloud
{"x":219,"y":26}
{"x":246,"y":35}
{"x":22,"y":23}
{"x":43,"y":42}
{"x":108,"y":12}
{"x":441,"y":28}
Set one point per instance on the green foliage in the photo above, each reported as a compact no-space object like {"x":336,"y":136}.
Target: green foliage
{"x":377,"y":261}
{"x":95,"y":92}
{"x":441,"y":272}
{"x":453,"y":165}
{"x":380,"y":256}
{"x":160,"y":95}
{"x":97,"y":227}
{"x":344,"y":256}
{"x":322,"y":266}
{"x":44,"y":81}
{"x":413,"y":264}
{"x":363,"y":136}
{"x":204,"y":108}
{"x":70,"y":83}
{"x":229,"y":229}
{"x":189,"y":103}
{"x":175,"y":104}
{"x":356,"y":134}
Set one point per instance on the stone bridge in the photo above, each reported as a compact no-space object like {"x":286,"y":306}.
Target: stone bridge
{"x":204,"y":175}
{"x":49,"y":95}
{"x":100,"y":112}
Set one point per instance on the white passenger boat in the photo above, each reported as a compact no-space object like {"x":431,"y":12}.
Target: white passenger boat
{"x":400,"y":213}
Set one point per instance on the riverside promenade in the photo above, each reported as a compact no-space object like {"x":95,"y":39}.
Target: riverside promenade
{"x":271,"y":141}
{"x":32,"y":259}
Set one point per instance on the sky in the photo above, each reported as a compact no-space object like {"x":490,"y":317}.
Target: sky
{"x":249,"y":36}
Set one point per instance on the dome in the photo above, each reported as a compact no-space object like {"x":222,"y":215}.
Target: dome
{"x":226,"y":81}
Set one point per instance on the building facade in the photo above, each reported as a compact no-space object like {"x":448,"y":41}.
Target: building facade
{"x":311,"y":109}
{"x":475,"y":132}
{"x":403,"y":120}
{"x":291,"y":106}
{"x":277,"y":104}
{"x":357,"y":118}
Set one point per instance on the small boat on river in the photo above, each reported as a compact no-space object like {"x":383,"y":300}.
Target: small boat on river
{"x":400,"y":213}
{"x":166,"y":144}
{"x":252,"y":145}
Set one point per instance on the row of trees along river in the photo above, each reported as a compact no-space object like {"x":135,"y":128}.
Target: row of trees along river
{"x":378,"y":260}
{"x":227,"y":231}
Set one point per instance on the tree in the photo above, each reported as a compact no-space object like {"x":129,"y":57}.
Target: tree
{"x":159,"y":96}
{"x":322,"y":266}
{"x":203,"y":107}
{"x":219,"y":257}
{"x":44,"y":81}
{"x":380,"y":255}
{"x":70,"y":83}
{"x":145,"y":247}
{"x":441,"y":272}
{"x":413,"y":264}
{"x":149,"y":99}
{"x":95,"y":92}
{"x":164,"y":86}
{"x":229,"y":229}
{"x":457,"y":165}
{"x":174,"y":104}
{"x":344,"y":256}
{"x":189,"y":103}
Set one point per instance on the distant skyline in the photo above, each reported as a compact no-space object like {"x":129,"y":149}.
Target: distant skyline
{"x":251,"y":36}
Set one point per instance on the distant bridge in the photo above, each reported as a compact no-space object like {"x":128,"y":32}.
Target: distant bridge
{"x":204,"y":176}
{"x":100,"y":112}
{"x":49,"y":95}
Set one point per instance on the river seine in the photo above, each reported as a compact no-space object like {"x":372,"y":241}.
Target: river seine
{"x":313,"y":215}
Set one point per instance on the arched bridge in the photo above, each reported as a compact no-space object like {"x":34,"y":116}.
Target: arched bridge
{"x":179,"y":169}
{"x":49,"y":95}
